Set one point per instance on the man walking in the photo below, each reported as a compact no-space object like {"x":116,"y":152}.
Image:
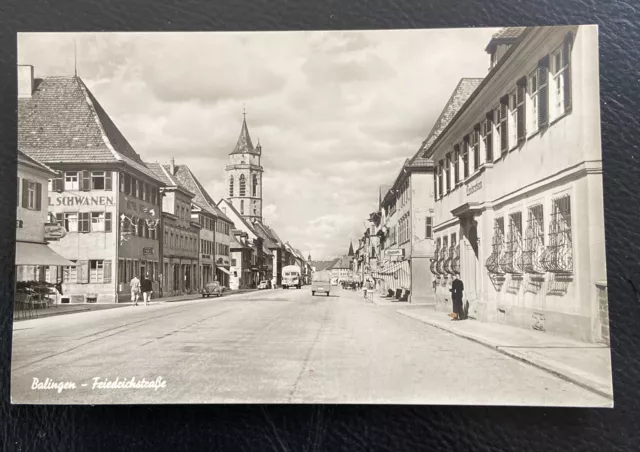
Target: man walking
{"x":135,"y":289}
{"x":457,"y":289}
{"x":147,"y":287}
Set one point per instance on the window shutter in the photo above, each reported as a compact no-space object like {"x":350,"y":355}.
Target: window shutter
{"x":84,"y":222}
{"x":38,"y":196}
{"x":60,"y":184}
{"x":60,"y":219}
{"x":543,"y":92}
{"x":456,"y":163}
{"x":107,"y":222}
{"x":85,"y":184}
{"x":465,"y":156}
{"x":25,"y":193}
{"x":108,"y":184}
{"x":566,"y":61}
{"x":489,"y":135}
{"x":83,"y":272}
{"x":522,"y":123}
{"x":504,"y":124}
{"x":106,"y":271}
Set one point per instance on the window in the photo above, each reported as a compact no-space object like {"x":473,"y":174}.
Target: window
{"x":447,"y":172}
{"x":511,"y":261}
{"x":71,"y":274}
{"x":513,"y":120}
{"x":31,"y":194}
{"x":487,"y":136}
{"x":84,"y":222}
{"x":475,"y":144}
{"x":127,"y":184}
{"x":241,"y":202}
{"x":243,"y":185}
{"x":137,"y":194}
{"x":558,"y":257}
{"x":99,"y":271}
{"x":101,"y":180}
{"x":144,"y":191}
{"x":428,"y":234}
{"x":230,"y":186}
{"x":255,"y":185}
{"x":121,"y":182}
{"x":465,"y":157}
{"x":497,"y":245}
{"x":440,"y":170}
{"x":543,"y":92}
{"x":71,"y":180}
{"x":503,"y":124}
{"x":559,"y":69}
{"x":456,"y":163}
{"x":97,"y":222}
{"x":71,"y":222}
{"x":534,"y":241}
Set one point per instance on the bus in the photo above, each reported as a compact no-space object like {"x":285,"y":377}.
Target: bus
{"x":291,"y":276}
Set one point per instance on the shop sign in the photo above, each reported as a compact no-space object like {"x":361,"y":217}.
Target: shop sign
{"x":206,"y":256}
{"x":82,"y":201}
{"x":54,"y":232}
{"x":395,"y":252}
{"x":147,"y":251}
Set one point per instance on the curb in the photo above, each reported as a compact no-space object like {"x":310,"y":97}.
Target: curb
{"x":588,"y":385}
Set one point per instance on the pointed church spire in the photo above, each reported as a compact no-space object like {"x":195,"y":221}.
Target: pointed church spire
{"x":350,"y":248}
{"x":244,"y":144}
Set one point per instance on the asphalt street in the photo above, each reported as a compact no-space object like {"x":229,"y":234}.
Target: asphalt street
{"x":271,"y":346}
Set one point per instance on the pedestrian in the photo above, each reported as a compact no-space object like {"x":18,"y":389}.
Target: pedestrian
{"x":457,"y":289}
{"x":147,"y":289}
{"x":134,"y":285}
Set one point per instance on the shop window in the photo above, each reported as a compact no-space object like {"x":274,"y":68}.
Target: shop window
{"x":71,"y":274}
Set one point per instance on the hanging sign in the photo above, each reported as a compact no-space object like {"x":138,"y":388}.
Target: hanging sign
{"x":54,"y":232}
{"x":395,"y":252}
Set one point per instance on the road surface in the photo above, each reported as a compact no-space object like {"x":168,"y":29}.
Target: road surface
{"x":271,"y":346}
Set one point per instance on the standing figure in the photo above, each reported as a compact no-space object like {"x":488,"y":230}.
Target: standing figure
{"x":135,"y":289}
{"x":457,"y":288}
{"x":146,"y":287}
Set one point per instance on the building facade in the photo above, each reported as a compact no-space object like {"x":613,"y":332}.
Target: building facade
{"x":104,"y":196}
{"x":518,"y":212}
{"x":241,"y":276}
{"x":35,"y":261}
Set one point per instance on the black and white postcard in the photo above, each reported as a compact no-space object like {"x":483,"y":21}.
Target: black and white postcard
{"x":354,"y":217}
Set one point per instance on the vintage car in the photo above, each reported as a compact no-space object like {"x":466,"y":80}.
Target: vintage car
{"x":320,"y":287}
{"x":264,"y":284}
{"x":212,"y":288}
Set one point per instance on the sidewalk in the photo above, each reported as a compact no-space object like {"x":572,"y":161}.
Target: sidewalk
{"x":62,"y":309}
{"x":585,"y":364}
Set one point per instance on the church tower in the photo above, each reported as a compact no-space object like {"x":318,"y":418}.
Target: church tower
{"x":244,"y":176}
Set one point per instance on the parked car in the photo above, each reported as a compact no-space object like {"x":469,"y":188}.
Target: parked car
{"x":320,"y":287}
{"x":212,"y":288}
{"x":264,"y":285}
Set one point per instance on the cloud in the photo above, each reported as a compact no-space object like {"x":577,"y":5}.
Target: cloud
{"x":337,"y":113}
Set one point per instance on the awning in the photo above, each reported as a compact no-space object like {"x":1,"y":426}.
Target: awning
{"x":223,"y":270}
{"x":39,"y":254}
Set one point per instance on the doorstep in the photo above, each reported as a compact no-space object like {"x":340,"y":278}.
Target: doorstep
{"x":586,"y":364}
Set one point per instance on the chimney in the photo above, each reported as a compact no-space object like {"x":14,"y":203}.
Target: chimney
{"x":25,"y":81}
{"x":173,"y":166}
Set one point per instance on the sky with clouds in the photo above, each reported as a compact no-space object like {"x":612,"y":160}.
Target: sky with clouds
{"x":336,"y":112}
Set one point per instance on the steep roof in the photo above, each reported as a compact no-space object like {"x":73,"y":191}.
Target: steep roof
{"x":244,"y":144}
{"x":163,"y":173}
{"x":62,"y":122}
{"x":342,"y":262}
{"x":240,"y":217}
{"x":261,"y":230}
{"x":323,"y":265}
{"x":273,"y":234}
{"x":202,"y":198}
{"x":504,"y":35}
{"x":460,"y":94}
{"x":24,"y":158}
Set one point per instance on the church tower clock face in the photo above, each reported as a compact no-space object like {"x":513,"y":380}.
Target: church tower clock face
{"x":244,"y":176}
